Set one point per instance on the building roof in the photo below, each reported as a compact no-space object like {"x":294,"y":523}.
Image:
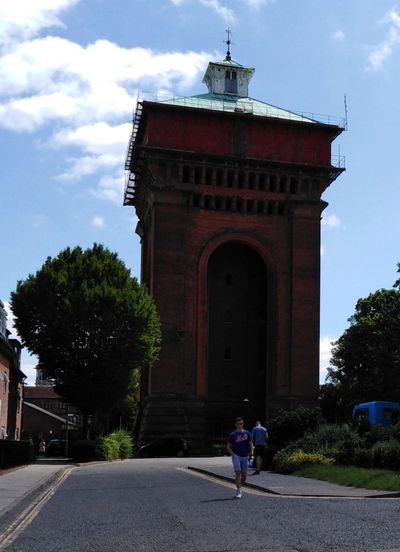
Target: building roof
{"x":49,"y":414}
{"x":40,"y":392}
{"x":237,"y":104}
{"x":228,"y":62}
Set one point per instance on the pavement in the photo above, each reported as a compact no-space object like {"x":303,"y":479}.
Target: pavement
{"x":22,"y":485}
{"x":283,"y":485}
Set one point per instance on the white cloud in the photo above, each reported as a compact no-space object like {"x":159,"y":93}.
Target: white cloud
{"x":105,"y":145}
{"x":338,"y":35}
{"x":54,"y":80}
{"x":28,"y":366}
{"x":98,"y":138}
{"x":22,"y":19}
{"x":28,"y":361}
{"x":384,"y":50}
{"x":97,"y":221}
{"x":110,"y":188}
{"x":89,"y":164}
{"x":28,"y":114}
{"x":51,"y":78}
{"x":325,"y":348}
{"x":331,"y":221}
{"x":10,"y":320}
{"x":256,"y":4}
{"x":225,"y":13}
{"x":87,"y":92}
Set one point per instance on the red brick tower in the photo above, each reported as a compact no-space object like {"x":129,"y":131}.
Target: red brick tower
{"x":227,"y":190}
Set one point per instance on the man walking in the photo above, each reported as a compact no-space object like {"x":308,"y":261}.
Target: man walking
{"x":259,"y":437}
{"x":240,"y":446}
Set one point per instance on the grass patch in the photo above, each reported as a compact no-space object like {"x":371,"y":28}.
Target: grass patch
{"x":350,"y":476}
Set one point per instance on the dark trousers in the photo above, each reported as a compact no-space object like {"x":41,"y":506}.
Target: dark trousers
{"x":258,"y":456}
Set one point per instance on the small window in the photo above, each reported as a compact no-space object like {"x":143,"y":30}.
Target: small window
{"x":186,"y":175}
{"x":228,"y":279}
{"x":228,"y":317}
{"x":228,"y":353}
{"x":230,"y":82}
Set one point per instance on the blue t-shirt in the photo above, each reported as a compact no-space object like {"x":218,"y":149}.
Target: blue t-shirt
{"x":240,"y":441}
{"x":260,"y":434}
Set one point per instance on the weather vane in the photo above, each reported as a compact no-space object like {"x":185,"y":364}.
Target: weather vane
{"x":228,"y":42}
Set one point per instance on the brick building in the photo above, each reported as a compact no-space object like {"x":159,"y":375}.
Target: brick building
{"x":227,"y":190}
{"x":11,"y":382}
{"x":45,"y":414}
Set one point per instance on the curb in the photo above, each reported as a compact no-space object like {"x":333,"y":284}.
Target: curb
{"x":231,"y":480}
{"x":21,"y":503}
{"x":300,"y":495}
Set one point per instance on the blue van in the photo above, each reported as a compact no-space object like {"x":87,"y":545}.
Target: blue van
{"x":377,"y":412}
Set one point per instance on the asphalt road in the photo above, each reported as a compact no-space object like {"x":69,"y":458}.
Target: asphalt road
{"x":158,"y":506}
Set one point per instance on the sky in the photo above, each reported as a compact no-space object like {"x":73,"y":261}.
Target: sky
{"x":70,"y":75}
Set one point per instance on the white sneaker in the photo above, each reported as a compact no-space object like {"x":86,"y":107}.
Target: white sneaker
{"x":238,"y":494}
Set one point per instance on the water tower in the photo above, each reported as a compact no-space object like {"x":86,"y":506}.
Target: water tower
{"x":227,"y":191}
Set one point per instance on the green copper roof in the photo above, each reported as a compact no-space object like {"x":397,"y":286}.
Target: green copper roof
{"x":229,"y":62}
{"x":237,"y":104}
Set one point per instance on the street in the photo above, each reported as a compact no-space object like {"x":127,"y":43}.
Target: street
{"x":157,"y":505}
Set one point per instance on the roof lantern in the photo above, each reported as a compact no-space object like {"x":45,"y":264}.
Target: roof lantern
{"x":228,"y":76}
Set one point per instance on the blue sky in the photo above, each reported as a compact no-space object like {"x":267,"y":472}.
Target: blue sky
{"x":70,"y":72}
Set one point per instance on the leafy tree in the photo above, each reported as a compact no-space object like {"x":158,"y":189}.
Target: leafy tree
{"x":366,"y":358}
{"x":90,"y":324}
{"x":331,"y":403}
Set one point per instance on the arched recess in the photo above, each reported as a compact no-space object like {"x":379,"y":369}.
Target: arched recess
{"x":241,"y":269}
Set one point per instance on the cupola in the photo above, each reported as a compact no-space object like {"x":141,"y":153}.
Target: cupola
{"x":228,"y":77}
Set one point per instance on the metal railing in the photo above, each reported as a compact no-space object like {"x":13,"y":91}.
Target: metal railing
{"x":236,"y":104}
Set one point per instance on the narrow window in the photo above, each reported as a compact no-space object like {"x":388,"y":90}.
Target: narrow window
{"x":228,"y":317}
{"x":230,"y":82}
{"x":197,"y":175}
{"x":228,"y":353}
{"x":186,"y":175}
{"x":228,"y":279}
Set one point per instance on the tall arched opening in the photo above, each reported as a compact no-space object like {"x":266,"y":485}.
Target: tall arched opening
{"x":237,"y":338}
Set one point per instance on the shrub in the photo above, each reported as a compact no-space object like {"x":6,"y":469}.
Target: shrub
{"x":299,"y":458}
{"x":290,"y":425}
{"x":378,"y":433}
{"x":279,"y":461}
{"x":363,"y":458}
{"x":288,"y":461}
{"x":387,"y":454}
{"x":108,"y":448}
{"x":116,"y":445}
{"x":337,"y":441}
{"x":125,"y":442}
{"x":329,"y":434}
{"x":268,"y":456}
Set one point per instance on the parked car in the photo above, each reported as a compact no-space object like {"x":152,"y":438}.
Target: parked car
{"x":165,"y":446}
{"x":56,"y":447}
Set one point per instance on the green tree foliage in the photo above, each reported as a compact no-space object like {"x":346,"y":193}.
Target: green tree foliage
{"x":289,"y":425}
{"x":366,"y":358}
{"x":334,"y":409}
{"x":90,"y":324}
